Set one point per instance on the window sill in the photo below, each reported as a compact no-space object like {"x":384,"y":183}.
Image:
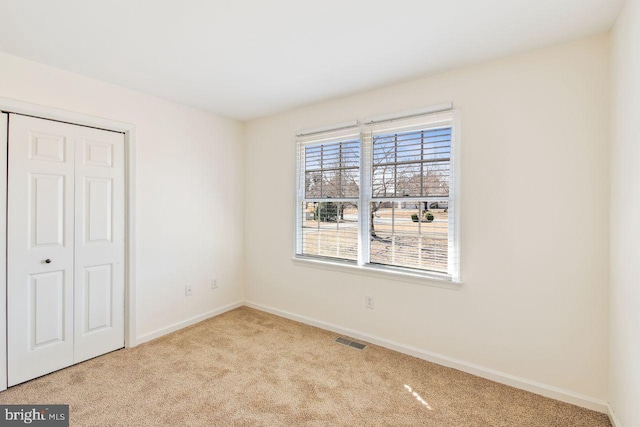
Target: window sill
{"x":433,"y":279}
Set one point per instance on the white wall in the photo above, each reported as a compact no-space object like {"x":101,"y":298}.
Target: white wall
{"x":189,"y":175}
{"x":535,"y":221}
{"x":624,"y":370}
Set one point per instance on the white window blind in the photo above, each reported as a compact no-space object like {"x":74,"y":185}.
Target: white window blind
{"x":328,"y":195}
{"x":411,"y":176}
{"x":383,"y":197}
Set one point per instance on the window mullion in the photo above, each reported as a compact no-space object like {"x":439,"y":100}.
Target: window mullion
{"x":340,"y":171}
{"x":321,"y":174}
{"x":366,"y":159}
{"x":422,"y":163}
{"x":395,"y":166}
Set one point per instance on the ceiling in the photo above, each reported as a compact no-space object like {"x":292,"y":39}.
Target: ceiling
{"x":245,"y":59}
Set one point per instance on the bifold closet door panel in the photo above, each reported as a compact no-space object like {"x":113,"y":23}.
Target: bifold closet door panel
{"x":99,"y":242}
{"x":40,"y":247}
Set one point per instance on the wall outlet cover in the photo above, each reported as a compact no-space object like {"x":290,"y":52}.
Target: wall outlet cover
{"x":369,"y":301}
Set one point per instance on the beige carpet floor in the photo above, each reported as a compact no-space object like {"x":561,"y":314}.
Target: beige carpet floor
{"x":249,"y":368}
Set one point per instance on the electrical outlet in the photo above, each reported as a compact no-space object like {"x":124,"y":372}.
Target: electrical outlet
{"x":368,"y":302}
{"x":188,"y":290}
{"x":214,"y":283}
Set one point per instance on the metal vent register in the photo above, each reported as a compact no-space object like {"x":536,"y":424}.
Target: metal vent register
{"x":345,"y":341}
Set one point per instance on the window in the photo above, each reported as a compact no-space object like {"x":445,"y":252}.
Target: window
{"x":381,"y":196}
{"x":328,"y":206}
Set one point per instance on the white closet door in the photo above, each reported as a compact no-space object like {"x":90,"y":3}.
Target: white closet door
{"x":40,"y":245}
{"x":65,"y":261}
{"x":99,"y":243}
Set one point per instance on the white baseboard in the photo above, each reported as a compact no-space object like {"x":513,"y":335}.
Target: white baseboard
{"x":188,"y":322}
{"x":480,"y":371}
{"x":615,"y":422}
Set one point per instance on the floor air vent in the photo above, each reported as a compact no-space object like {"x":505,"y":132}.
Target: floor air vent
{"x":345,"y":341}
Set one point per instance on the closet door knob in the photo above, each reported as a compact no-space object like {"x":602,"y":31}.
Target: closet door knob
{"x":48,"y":261}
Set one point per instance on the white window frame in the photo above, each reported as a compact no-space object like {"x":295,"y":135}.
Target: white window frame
{"x":443,"y":115}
